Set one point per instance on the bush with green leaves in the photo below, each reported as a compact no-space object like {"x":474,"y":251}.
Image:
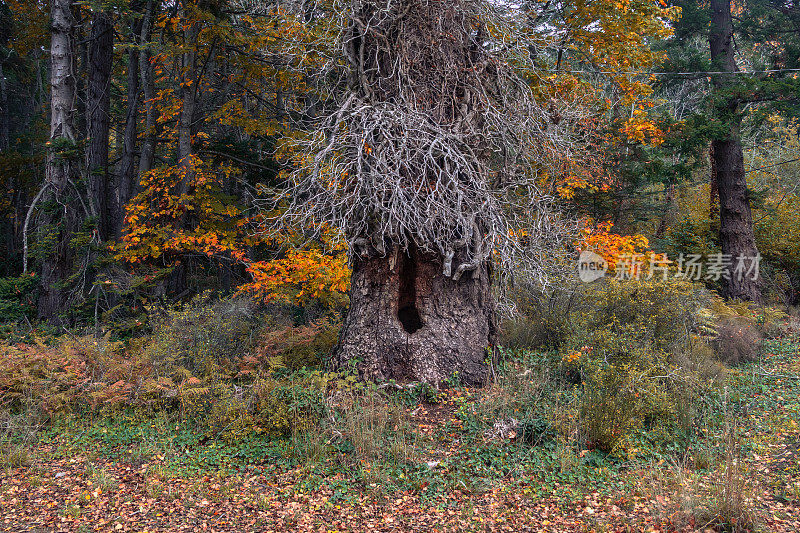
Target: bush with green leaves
{"x":17,"y":297}
{"x":203,"y":338}
{"x":269,"y":406}
{"x":633,"y":344}
{"x":659,"y":312}
{"x":629,"y":387}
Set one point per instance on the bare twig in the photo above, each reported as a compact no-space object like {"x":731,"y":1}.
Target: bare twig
{"x":432,"y":136}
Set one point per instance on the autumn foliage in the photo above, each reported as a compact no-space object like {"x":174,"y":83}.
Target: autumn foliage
{"x":611,"y":246}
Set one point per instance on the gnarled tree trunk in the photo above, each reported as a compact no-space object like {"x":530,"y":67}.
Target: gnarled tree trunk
{"x":427,"y":169}
{"x":408,"y":322}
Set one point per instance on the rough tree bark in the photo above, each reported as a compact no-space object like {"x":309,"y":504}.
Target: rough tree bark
{"x":736,"y":221}
{"x":416,"y":315}
{"x":100,"y":55}
{"x":5,"y":117}
{"x":428,"y":169}
{"x":713,"y":192}
{"x":148,"y":91}
{"x":408,"y":322}
{"x":61,"y":219}
{"x":126,"y":176}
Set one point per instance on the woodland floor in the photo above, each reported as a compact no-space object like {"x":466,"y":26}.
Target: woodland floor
{"x":81,"y":481}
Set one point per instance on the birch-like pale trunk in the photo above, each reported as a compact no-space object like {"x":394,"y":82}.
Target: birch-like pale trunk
{"x":55,"y":267}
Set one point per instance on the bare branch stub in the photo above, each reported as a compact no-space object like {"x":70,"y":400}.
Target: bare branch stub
{"x":432,"y":136}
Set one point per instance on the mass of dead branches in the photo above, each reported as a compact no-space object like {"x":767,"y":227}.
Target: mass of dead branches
{"x":433,"y":135}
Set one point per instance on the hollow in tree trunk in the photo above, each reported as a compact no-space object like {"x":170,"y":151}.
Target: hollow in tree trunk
{"x":408,"y":322}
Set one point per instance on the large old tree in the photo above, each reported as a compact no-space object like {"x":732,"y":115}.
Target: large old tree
{"x":426,"y":164}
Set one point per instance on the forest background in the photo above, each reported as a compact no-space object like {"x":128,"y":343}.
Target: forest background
{"x":147,"y":297}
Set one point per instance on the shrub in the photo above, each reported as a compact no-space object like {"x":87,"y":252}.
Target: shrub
{"x":278,"y":408}
{"x":700,"y":360}
{"x":770,"y":322}
{"x":554,"y":318}
{"x":234,"y":375}
{"x":655,"y":312}
{"x":737,"y":342}
{"x":630,"y":387}
{"x":203,"y":338}
{"x":540,"y":331}
{"x":17,"y":296}
{"x":542,"y":319}
{"x":526,"y":399}
{"x":629,"y":362}
{"x":294,"y":405}
{"x":633,"y":345}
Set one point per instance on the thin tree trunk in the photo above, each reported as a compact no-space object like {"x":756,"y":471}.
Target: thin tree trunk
{"x":736,"y":221}
{"x":100,"y":55}
{"x":127,"y":169}
{"x":60,"y":219}
{"x":189,"y":103}
{"x":5,"y":117}
{"x":149,"y":92}
{"x":669,"y":200}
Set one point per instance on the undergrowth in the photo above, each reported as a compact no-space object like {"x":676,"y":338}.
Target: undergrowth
{"x":633,"y":379}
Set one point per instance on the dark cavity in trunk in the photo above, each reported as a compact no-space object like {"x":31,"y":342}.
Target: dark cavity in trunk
{"x":407,"y":312}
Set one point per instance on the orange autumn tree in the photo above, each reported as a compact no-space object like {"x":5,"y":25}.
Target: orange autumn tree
{"x":153,"y":229}
{"x":602,"y":61}
{"x":316,"y":270}
{"x":612,"y":247}
{"x":213,"y":76}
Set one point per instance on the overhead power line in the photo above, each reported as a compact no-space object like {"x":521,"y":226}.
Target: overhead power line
{"x":691,"y":73}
